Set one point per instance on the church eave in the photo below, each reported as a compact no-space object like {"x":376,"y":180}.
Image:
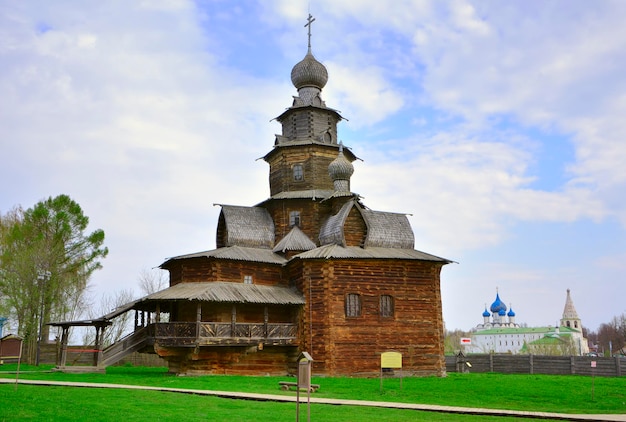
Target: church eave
{"x":295,"y":109}
{"x":304,"y":142}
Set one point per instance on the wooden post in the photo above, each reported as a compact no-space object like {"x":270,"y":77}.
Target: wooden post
{"x":64,"y":341}
{"x":531,"y":362}
{"x":157,"y":317}
{"x":198,"y":319}
{"x":233,"y":321}
{"x":97,"y":346}
{"x":265,"y":320}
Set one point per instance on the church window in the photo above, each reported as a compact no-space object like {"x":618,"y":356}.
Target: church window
{"x":353,"y":305}
{"x":247,"y":279}
{"x":294,"y":218}
{"x":386,"y":306}
{"x":298,"y":173}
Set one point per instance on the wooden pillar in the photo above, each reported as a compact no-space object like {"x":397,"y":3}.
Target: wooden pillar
{"x":198,"y":319}
{"x":532,"y":364}
{"x":136,"y":319}
{"x":97,"y":345}
{"x":64,"y":340}
{"x":233,"y":320}
{"x":266,"y":317}
{"x":157,"y":317}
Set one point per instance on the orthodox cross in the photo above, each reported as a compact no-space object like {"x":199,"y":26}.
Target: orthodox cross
{"x":310,"y":20}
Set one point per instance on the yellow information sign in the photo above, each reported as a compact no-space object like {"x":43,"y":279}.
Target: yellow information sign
{"x":391,"y":360}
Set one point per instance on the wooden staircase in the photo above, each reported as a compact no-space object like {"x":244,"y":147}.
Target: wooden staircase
{"x":125,"y":346}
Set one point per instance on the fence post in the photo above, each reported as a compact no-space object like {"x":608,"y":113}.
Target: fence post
{"x":490,"y":362}
{"x":618,"y":368}
{"x":572,"y":364}
{"x":531,"y":362}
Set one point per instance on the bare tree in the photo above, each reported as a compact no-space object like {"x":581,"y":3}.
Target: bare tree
{"x":120,"y":325}
{"x":151,"y":281}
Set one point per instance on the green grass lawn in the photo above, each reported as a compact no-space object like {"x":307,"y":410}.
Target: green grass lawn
{"x":563,"y":394}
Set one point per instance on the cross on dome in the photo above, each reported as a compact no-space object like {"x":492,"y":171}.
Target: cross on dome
{"x":310,"y":20}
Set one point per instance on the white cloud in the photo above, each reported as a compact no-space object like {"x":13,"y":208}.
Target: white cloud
{"x":145,"y":114}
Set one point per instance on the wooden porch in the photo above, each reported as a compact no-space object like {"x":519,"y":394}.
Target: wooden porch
{"x":186,"y":334}
{"x":192,"y":334}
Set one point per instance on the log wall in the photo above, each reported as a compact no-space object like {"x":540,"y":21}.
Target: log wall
{"x":342,"y":345}
{"x":268,"y":360}
{"x":315,"y":160}
{"x":205,"y":270}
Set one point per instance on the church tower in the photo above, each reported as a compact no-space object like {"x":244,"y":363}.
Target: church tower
{"x":570,"y":316}
{"x":307,"y":163}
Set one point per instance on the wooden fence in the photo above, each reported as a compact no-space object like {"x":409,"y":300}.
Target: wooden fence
{"x":83,"y":355}
{"x":538,"y":364}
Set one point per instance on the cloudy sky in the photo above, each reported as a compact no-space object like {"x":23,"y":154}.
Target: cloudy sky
{"x":499,"y":126}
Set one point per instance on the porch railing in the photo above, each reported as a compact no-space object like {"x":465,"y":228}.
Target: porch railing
{"x":224,"y":332}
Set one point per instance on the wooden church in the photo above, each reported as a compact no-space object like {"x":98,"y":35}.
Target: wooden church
{"x":311,"y":269}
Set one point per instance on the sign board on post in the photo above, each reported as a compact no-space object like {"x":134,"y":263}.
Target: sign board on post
{"x":390,"y":360}
{"x":466,"y":341}
{"x":304,"y":381}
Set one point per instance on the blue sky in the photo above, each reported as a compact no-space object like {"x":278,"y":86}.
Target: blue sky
{"x":498,"y":126}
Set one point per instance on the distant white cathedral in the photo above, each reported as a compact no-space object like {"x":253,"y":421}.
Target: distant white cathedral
{"x":499,"y":333}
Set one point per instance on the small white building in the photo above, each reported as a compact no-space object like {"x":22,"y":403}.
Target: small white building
{"x":499,"y":333}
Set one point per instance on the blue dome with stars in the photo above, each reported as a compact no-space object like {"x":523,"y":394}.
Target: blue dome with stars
{"x":498,"y":305}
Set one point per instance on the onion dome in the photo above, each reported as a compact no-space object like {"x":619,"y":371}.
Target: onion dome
{"x":498,"y":305}
{"x":502,"y":312}
{"x":309,"y":73}
{"x":340,"y":170}
{"x":486,"y":314}
{"x":511,"y":313}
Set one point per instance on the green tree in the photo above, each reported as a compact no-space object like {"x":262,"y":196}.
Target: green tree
{"x":46,"y":259}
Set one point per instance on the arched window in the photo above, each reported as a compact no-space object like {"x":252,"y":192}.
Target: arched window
{"x":353,"y":305}
{"x":298,"y":173}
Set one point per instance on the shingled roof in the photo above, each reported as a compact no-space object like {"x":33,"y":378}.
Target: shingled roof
{"x":339,"y":252}
{"x":228,"y":292}
{"x":331,"y":231}
{"x":388,"y":230}
{"x":236,"y":253}
{"x":251,"y":227}
{"x":384,"y":229}
{"x":295,"y":240}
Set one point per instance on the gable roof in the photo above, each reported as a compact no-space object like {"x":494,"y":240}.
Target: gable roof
{"x":236,"y":253}
{"x":229,"y":293}
{"x":331,"y":231}
{"x":247,"y":226}
{"x":384,"y":229}
{"x":295,"y":240}
{"x":347,"y":252}
{"x":387,"y":230}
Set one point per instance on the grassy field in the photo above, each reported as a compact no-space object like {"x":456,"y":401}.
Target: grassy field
{"x":563,"y":394}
